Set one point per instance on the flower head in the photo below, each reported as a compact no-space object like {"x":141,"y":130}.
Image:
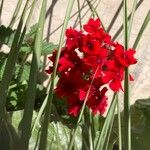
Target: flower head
{"x":90,"y":62}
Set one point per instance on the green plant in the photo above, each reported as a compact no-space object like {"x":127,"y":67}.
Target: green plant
{"x":33,"y":116}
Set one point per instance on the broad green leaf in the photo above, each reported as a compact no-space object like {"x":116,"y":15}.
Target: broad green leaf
{"x":58,"y":133}
{"x":25,"y":73}
{"x":9,"y":140}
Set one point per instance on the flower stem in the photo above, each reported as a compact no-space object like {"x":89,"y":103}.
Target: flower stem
{"x":127,"y":118}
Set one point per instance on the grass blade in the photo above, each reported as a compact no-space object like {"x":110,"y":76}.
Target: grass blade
{"x":94,"y":12}
{"x":115,"y":17}
{"x":84,"y":6}
{"x":129,"y":17}
{"x":15,"y":14}
{"x":91,"y":131}
{"x":85,"y":13}
{"x":79,"y":14}
{"x":1,"y":8}
{"x":143,"y":27}
{"x":42,"y":107}
{"x":132,"y":17}
{"x":119,"y":124}
{"x":109,"y":132}
{"x":43,"y":138}
{"x":103,"y":135}
{"x":10,"y":65}
{"x":31,"y":91}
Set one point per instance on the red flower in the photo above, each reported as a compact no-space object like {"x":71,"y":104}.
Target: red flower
{"x":68,"y":61}
{"x":67,"y":85}
{"x":125,"y":58}
{"x":73,"y":37}
{"x":74,"y":105}
{"x":92,"y":25}
{"x":113,"y":76}
{"x":90,"y":45}
{"x":86,"y":56}
{"x":65,"y":64}
{"x":98,"y":101}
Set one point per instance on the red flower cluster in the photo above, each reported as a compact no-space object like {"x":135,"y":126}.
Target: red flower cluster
{"x":87,"y":54}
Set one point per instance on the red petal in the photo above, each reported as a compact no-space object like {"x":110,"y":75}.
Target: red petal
{"x":115,"y":85}
{"x":131,"y":77}
{"x":108,"y":76}
{"x":74,"y":111}
{"x":82,"y":94}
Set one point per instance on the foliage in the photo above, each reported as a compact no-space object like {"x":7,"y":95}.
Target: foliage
{"x":22,"y":76}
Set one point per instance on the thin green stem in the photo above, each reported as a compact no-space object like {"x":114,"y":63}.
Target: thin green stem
{"x":91,"y":130}
{"x":1,"y":8}
{"x":103,"y":135}
{"x":43,"y":138}
{"x":81,"y":113}
{"x":84,"y":15}
{"x":115,"y":17}
{"x":132,"y":18}
{"x":31,"y":91}
{"x":15,"y":14}
{"x":78,"y":1}
{"x":94,"y":12}
{"x":40,"y":113}
{"x":119,"y":124}
{"x":43,"y":105}
{"x":129,"y":17}
{"x":125,"y":24}
{"x":127,"y":119}
{"x":94,"y":9}
{"x":91,"y":8}
{"x":93,"y":1}
{"x":109,"y":132}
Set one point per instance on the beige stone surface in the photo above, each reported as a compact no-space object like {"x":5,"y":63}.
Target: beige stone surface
{"x":140,"y":88}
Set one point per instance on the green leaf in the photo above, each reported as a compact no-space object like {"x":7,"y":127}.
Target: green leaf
{"x":3,"y":58}
{"x":32,"y":31}
{"x":47,"y":48}
{"x":6,"y":35}
{"x":25,"y":73}
{"x":9,"y":140}
{"x":25,"y":49}
{"x":22,"y":72}
{"x":58,"y":133}
{"x":44,"y":134}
